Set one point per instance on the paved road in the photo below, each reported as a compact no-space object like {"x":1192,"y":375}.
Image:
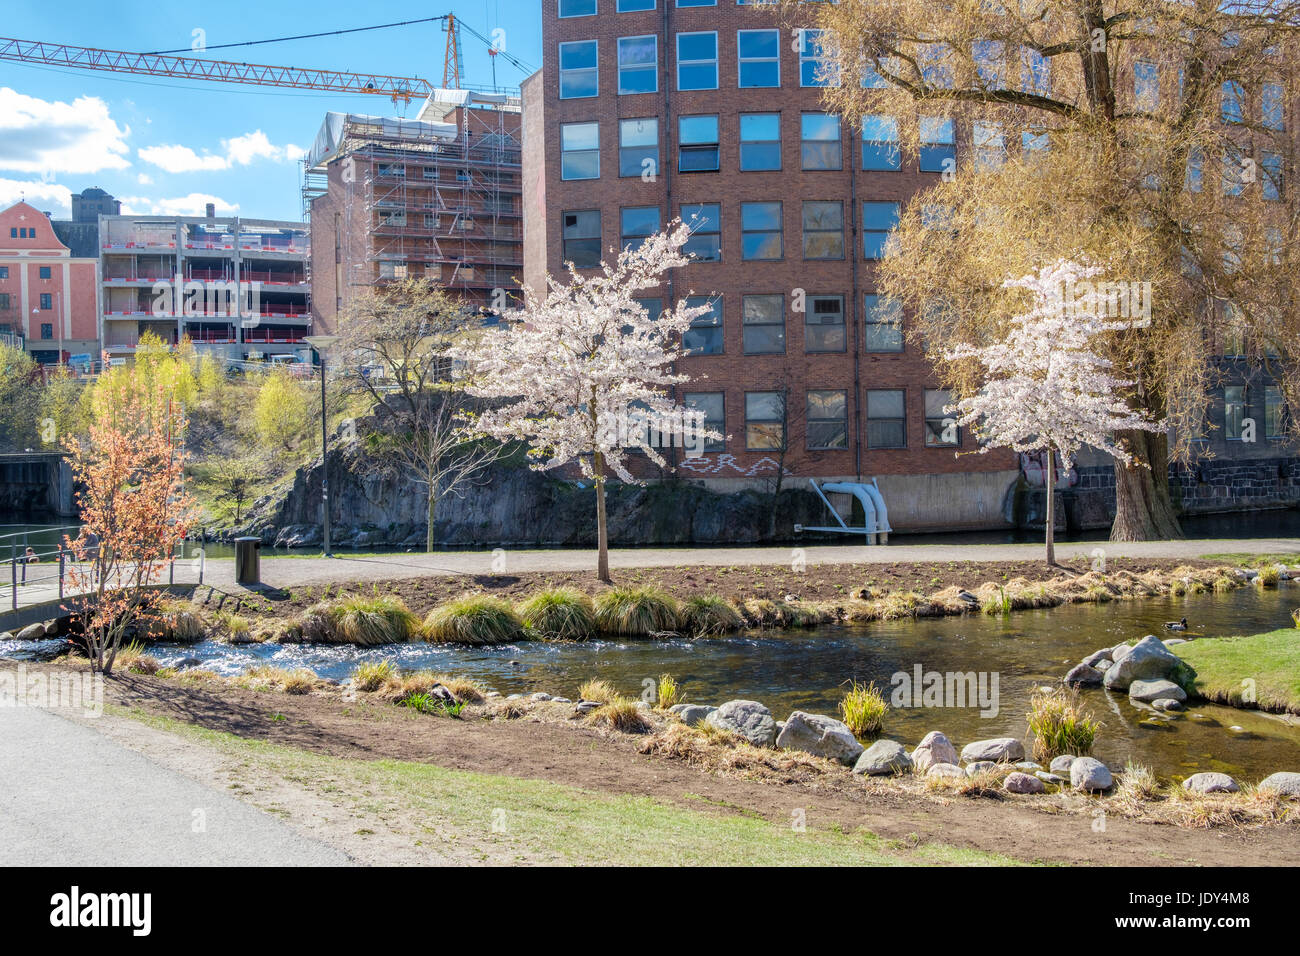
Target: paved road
{"x":294,"y":572}
{"x":70,"y":797}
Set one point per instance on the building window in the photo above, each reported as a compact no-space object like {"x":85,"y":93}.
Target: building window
{"x":820,"y":141}
{"x":1146,"y":85}
{"x":760,"y":141}
{"x":704,"y":337}
{"x":1271,"y":164}
{"x":636,"y":223}
{"x":824,"y":324}
{"x":990,"y":145}
{"x":47,"y":330}
{"x":578,"y":77}
{"x":1234,"y":411}
{"x":635,"y":6}
{"x":1274,"y":412}
{"x":45,"y":272}
{"x":940,"y":427}
{"x":580,"y":151}
{"x":392,"y":269}
{"x":697,"y":138}
{"x":705,"y":221}
{"x":638,"y":147}
{"x":938,"y":145}
{"x":882,"y":321}
{"x":828,"y":419}
{"x":763,"y":324}
{"x":697,"y":3}
{"x":760,"y":230}
{"x":4,"y":301}
{"x":758,"y":58}
{"x":823,"y":230}
{"x":4,"y":272}
{"x":815,"y":68}
{"x":935,"y":65}
{"x":638,"y":64}
{"x":880,"y":142}
{"x":697,"y":61}
{"x":1270,"y":105}
{"x":577,"y":8}
{"x":1232,"y":102}
{"x":712,"y":405}
{"x":430,"y":172}
{"x":1035,"y":72}
{"x":886,"y":423}
{"x":1234,"y":332}
{"x":878,"y":219}
{"x":989,"y":60}
{"x":764,"y":421}
{"x":1195,"y":169}
{"x":652,"y":306}
{"x":581,"y":238}
{"x":47,"y":301}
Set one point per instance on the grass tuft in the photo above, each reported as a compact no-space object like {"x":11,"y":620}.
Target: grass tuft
{"x":1060,"y":725}
{"x":474,"y":619}
{"x":669,"y":693}
{"x":621,"y":714}
{"x":598,"y":690}
{"x":709,"y":615}
{"x":560,"y":614}
{"x":372,"y":675}
{"x":863,"y":709}
{"x":363,"y":620}
{"x":636,"y":612}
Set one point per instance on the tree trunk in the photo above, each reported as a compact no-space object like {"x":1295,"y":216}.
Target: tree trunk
{"x":1144,"y":510}
{"x":430,"y":513}
{"x":602,"y":530}
{"x":1049,"y":479}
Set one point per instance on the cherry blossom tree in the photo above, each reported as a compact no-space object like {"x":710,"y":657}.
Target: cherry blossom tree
{"x":1044,"y":387}
{"x":582,"y":373}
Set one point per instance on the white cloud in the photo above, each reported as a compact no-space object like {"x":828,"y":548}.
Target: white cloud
{"x":49,"y":137}
{"x":195,"y":204}
{"x":237,"y":151}
{"x":47,"y":197}
{"x":144,"y":179}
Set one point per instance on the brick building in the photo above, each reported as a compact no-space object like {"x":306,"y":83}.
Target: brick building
{"x":646,"y":110}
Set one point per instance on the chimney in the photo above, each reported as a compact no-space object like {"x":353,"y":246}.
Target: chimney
{"x":212,"y":210}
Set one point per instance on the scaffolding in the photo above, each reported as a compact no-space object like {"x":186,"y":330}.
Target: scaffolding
{"x":437,"y":196}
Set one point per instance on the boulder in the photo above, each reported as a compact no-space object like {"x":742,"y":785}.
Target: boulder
{"x":1167,"y":704}
{"x":1210,"y":783}
{"x":1171,"y":641}
{"x":820,"y":736}
{"x":1083,"y":675}
{"x":1056,"y":780}
{"x":1148,"y":659}
{"x":32,"y":632}
{"x":998,"y":749}
{"x":51,"y":628}
{"x":1119,"y":652}
{"x":1022,"y":783}
{"x":980,"y":766}
{"x":1096,"y":657}
{"x":1103,"y":666}
{"x":539,"y":696}
{"x":1149,"y":690}
{"x":748,"y":719}
{"x":883,"y":757}
{"x":1090,"y":774}
{"x":1282,"y":783}
{"x":1062,"y":763}
{"x":934,"y":748}
{"x":1028,"y":766}
{"x":949,"y":770}
{"x":6,"y":636}
{"x":691,"y":714}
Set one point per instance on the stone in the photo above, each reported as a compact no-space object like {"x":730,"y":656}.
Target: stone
{"x":1028,"y":766}
{"x":934,"y":748}
{"x":1104,"y":666}
{"x":1056,"y":780}
{"x":980,"y":766}
{"x":1083,"y":675}
{"x":514,"y":697}
{"x":583,"y":706}
{"x":561,"y":700}
{"x":185,"y":663}
{"x":51,"y":628}
{"x":1090,"y":774}
{"x":997,"y":749}
{"x":1062,"y":763}
{"x":541,"y":697}
{"x":691,"y":714}
{"x":1149,"y":690}
{"x":1119,"y":652}
{"x":32,"y":632}
{"x":1022,"y":783}
{"x":1210,"y":783}
{"x":1167,"y":704}
{"x":1096,"y":657}
{"x":492,"y":693}
{"x":748,"y":718}
{"x":6,"y":636}
{"x":820,"y":736}
{"x":949,"y":770}
{"x":1283,"y":783}
{"x":882,"y":758}
{"x":1171,"y":641}
{"x":1148,"y":659}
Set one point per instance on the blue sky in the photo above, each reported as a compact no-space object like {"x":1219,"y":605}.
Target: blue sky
{"x":169,"y":146}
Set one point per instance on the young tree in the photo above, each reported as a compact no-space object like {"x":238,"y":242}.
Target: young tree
{"x":134,"y":511}
{"x":18,"y":399}
{"x":282,"y":414}
{"x":1146,"y":137}
{"x":1043,"y":387}
{"x":397,"y":340}
{"x":235,"y":479}
{"x":582,"y":364}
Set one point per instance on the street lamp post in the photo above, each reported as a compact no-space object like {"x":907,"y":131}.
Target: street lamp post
{"x":320,"y":343}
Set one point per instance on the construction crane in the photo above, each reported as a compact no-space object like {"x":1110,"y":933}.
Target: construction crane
{"x":400,"y":89}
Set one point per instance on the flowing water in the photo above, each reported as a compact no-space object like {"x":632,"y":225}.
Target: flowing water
{"x":808,"y":670}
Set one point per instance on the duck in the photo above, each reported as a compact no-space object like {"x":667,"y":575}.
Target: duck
{"x":1176,"y":625}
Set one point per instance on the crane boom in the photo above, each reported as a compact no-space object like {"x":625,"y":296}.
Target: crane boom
{"x":397,"y":88}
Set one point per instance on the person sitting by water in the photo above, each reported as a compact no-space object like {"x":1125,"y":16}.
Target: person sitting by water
{"x":31,"y":557}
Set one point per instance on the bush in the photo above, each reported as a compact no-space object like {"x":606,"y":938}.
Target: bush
{"x":560,"y":614}
{"x":1060,"y":725}
{"x":365,"y":621}
{"x":1295,"y":616}
{"x":598,"y":690}
{"x":131,"y":657}
{"x":475,"y":619}
{"x":621,"y":714}
{"x":706,"y":616}
{"x":863,"y":709}
{"x":669,"y":692}
{"x":1269,"y":576}
{"x":372,"y":675}
{"x":428,"y":704}
{"x":636,"y":611}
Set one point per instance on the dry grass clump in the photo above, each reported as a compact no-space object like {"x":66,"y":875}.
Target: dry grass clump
{"x":1060,"y":724}
{"x":371,"y":675}
{"x":598,"y":690}
{"x":397,"y":686}
{"x":132,"y":658}
{"x":720,"y":751}
{"x":231,"y":627}
{"x":1134,"y":788}
{"x":1250,"y":807}
{"x":363,"y":620}
{"x":986,"y":783}
{"x":508,"y":710}
{"x":560,"y":614}
{"x":637,"y":612}
{"x":266,"y":677}
{"x":709,"y":615}
{"x":765,"y":613}
{"x":474,"y":619}
{"x":622,"y":714}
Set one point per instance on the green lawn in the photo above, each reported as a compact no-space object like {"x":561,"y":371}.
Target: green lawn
{"x":1250,"y":560}
{"x":1226,"y":666}
{"x":538,"y":821}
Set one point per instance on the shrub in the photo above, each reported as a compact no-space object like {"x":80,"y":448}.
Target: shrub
{"x":598,"y":690}
{"x":560,"y":614}
{"x":669,"y":692}
{"x":474,"y":619}
{"x":621,"y":714}
{"x":1060,"y":725}
{"x":863,"y":709}
{"x":708,"y":615}
{"x":636,"y":611}
{"x":372,"y":675}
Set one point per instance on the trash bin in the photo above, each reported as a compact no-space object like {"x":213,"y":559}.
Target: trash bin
{"x":248,"y":561}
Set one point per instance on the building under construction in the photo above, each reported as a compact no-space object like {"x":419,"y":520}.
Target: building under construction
{"x":436,"y":196}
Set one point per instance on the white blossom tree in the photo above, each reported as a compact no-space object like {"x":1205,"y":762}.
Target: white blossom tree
{"x":1044,"y":387}
{"x":583,"y":373}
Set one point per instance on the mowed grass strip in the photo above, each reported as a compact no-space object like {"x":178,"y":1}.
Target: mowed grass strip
{"x":1231,"y":669}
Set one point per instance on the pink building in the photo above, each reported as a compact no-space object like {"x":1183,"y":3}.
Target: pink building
{"x":47,"y":297}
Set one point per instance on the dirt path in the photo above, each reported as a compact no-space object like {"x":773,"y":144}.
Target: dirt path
{"x":578,"y":756}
